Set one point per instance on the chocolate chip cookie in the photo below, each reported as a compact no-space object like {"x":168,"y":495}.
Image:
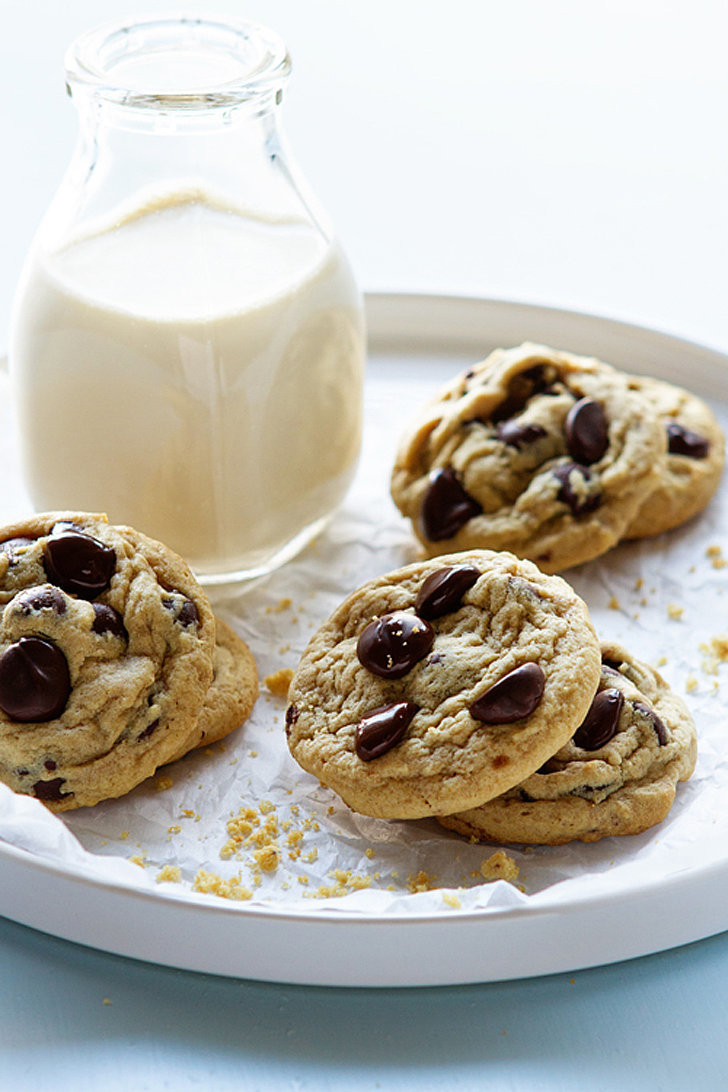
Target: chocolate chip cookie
{"x":695,"y":458}
{"x":443,"y":681}
{"x":106,"y":657}
{"x":545,"y":454}
{"x":616,"y":775}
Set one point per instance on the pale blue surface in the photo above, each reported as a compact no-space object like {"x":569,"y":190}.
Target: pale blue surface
{"x":650,"y":1024}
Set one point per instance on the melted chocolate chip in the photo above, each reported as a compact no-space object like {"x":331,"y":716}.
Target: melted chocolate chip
{"x":567,"y":493}
{"x":108,"y":620}
{"x":43,"y":598}
{"x":612,"y":665}
{"x":517,"y":434}
{"x":683,"y":441}
{"x":391,"y":645}
{"x":600,"y":723}
{"x":443,"y":590}
{"x":587,"y":432}
{"x":79,"y":563}
{"x":50,"y":790}
{"x":12,"y":545}
{"x":446,"y":507}
{"x":186,"y":613}
{"x":292,"y":714}
{"x":382,"y":728}
{"x":34,"y":680}
{"x":656,"y":722}
{"x":522,"y":387}
{"x":513,"y":697}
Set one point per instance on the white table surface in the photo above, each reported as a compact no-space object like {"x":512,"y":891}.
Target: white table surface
{"x":561,"y":153}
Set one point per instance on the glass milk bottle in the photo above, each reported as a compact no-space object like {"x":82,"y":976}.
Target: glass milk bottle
{"x":187,"y":342}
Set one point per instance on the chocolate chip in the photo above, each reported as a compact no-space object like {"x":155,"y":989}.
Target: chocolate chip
{"x":382,"y":728}
{"x":443,"y":590}
{"x":656,"y":722}
{"x":50,"y":790}
{"x":600,"y":723}
{"x":50,"y":764}
{"x":46,"y":597}
{"x":612,"y":665}
{"x":108,"y":620}
{"x":587,"y":432}
{"x":34,"y":680}
{"x":513,"y":697}
{"x":292,"y":714}
{"x":12,"y":545}
{"x":522,"y":387}
{"x":391,"y":645}
{"x":683,"y":441}
{"x":518,"y":434}
{"x":79,"y":563}
{"x":186,"y":613}
{"x":569,"y":494}
{"x":446,"y":507}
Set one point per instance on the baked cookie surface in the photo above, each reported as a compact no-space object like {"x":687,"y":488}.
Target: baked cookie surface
{"x":106,"y":655}
{"x":542,"y":453}
{"x":694,"y":463}
{"x":617,"y":775}
{"x":443,"y":681}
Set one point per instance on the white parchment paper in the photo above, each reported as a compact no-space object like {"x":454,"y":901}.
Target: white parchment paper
{"x":297,"y":844}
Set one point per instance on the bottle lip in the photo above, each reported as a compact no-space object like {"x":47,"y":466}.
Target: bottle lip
{"x":178,"y":62}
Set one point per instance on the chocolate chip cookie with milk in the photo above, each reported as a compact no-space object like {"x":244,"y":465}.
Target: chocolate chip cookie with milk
{"x":542,"y":453}
{"x":444,"y":681}
{"x":695,"y":458}
{"x":617,"y":775}
{"x":107,"y":646}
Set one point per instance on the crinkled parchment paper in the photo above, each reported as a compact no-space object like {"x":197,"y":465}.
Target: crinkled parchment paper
{"x":241,"y":820}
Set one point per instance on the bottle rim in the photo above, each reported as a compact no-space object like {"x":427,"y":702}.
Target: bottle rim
{"x":178,"y":62}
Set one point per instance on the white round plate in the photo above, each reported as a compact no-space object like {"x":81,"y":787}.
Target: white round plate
{"x":424,"y":339}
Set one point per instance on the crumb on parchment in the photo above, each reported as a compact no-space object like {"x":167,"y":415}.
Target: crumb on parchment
{"x":169,"y":874}
{"x":499,"y":866}
{"x":715,"y":652}
{"x":279,"y":682}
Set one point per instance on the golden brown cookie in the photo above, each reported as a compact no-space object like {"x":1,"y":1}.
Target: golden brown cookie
{"x":542,"y":453}
{"x":617,"y":774}
{"x":444,"y":681}
{"x":695,"y":458}
{"x":106,"y":657}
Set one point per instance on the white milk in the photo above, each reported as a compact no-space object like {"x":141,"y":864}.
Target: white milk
{"x":195,"y":373}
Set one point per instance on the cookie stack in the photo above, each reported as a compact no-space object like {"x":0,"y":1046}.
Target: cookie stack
{"x":554,"y":457}
{"x":473,"y":688}
{"x":112,"y":662}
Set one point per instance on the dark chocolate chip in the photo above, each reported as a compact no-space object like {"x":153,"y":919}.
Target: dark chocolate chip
{"x":656,"y":722}
{"x":382,"y":728}
{"x":391,"y":645}
{"x":108,"y":620}
{"x":34,"y":680}
{"x":683,"y":441}
{"x":587,"y":432}
{"x":446,"y":507}
{"x":444,"y":589}
{"x":567,"y":493}
{"x":148,"y":730}
{"x":513,"y":697}
{"x":518,"y":434}
{"x":292,"y":714}
{"x":186,"y":613}
{"x":45,"y":597}
{"x":613,"y":665}
{"x":522,"y":387}
{"x":79,"y":563}
{"x":50,"y":790}
{"x":600,"y":723}
{"x":50,"y":764}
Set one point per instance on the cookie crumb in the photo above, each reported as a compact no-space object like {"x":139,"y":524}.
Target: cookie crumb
{"x":163,"y":783}
{"x":499,"y":866}
{"x":210,"y":883}
{"x":281,"y":605}
{"x":451,"y":900}
{"x":421,"y":881}
{"x":674,"y":611}
{"x":715,"y":553}
{"x":106,"y":1001}
{"x":691,"y":684}
{"x":169,"y":874}
{"x":138,"y":859}
{"x":279,"y":682}
{"x":613,"y":603}
{"x":716,"y":653}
